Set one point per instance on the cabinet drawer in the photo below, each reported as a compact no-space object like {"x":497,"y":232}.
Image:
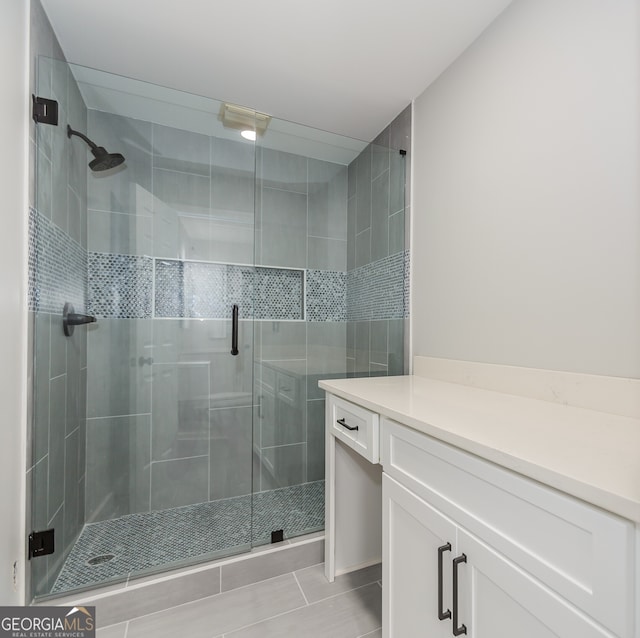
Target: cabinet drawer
{"x":354,"y":426}
{"x":581,"y":552}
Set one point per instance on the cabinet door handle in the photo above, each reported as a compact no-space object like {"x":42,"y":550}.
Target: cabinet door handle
{"x":442,"y":615}
{"x":457,"y":630}
{"x":343,"y":423}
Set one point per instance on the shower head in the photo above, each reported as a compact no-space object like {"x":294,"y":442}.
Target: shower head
{"x":103,"y":160}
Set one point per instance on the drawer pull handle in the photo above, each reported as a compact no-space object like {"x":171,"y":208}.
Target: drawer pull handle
{"x":457,"y":631}
{"x":442,"y":615}
{"x":343,"y":423}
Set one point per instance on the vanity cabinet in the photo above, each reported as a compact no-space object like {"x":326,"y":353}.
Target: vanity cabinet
{"x":472,"y":549}
{"x":469,"y":547}
{"x":492,"y":598}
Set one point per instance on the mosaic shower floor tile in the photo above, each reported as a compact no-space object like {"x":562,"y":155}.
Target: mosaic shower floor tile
{"x":113,"y":549}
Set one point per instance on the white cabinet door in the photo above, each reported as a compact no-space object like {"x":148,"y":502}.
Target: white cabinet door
{"x":499,"y":600}
{"x":411,"y":535}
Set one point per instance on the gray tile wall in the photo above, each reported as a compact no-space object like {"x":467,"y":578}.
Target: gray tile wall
{"x":377,"y":253}
{"x":56,"y":476}
{"x":159,"y":385}
{"x":301,"y":220}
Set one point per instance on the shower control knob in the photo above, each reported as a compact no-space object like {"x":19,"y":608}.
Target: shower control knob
{"x":142,"y":361}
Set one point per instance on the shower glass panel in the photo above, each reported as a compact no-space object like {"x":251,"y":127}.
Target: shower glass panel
{"x":227,"y":277}
{"x":142,"y":421}
{"x":330,"y":243}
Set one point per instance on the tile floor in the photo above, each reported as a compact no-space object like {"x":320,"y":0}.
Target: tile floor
{"x":297,"y":604}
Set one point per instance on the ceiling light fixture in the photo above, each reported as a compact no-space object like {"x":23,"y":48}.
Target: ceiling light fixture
{"x":249,"y":134}
{"x":243,"y":119}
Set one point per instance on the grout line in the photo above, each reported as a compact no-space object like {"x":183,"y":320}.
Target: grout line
{"x":300,"y":587}
{"x":284,"y":190}
{"x":181,"y":458}
{"x":199,"y":600}
{"x":72,"y":432}
{"x":290,"y":611}
{"x":258,"y":622}
{"x":173,"y":170}
{"x":126,"y":629}
{"x":118,"y":416}
{"x":118,"y":212}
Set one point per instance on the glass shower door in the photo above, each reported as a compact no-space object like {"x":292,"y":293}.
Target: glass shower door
{"x":142,"y":421}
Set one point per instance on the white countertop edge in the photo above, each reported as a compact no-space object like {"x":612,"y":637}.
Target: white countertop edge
{"x":606,"y":499}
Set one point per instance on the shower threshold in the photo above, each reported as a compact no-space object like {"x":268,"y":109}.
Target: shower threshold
{"x":115,"y":549}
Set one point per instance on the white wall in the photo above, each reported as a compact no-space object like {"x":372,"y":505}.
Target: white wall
{"x":14,"y":37}
{"x":526,"y":247}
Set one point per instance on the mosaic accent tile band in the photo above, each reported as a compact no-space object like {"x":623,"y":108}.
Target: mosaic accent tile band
{"x":279,"y":294}
{"x":379,"y":290}
{"x":203,"y":290}
{"x":326,"y":295}
{"x":120,"y":286}
{"x":206,"y":290}
{"x":140,"y":542}
{"x":57,"y":267}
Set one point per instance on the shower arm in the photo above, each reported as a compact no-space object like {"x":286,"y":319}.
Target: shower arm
{"x":71,"y":132}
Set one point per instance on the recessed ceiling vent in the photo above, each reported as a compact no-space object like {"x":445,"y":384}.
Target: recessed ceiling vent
{"x":242,"y":118}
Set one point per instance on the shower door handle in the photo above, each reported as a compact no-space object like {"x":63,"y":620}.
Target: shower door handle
{"x":234,"y":330}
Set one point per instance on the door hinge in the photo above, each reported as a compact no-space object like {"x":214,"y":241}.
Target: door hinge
{"x":41,"y":543}
{"x":45,"y":111}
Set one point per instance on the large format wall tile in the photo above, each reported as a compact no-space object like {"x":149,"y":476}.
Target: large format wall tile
{"x":284,"y":228}
{"x":232,"y":201}
{"x":117,"y":466}
{"x":315,"y":439}
{"x":327,"y":200}
{"x":282,"y":171}
{"x":283,"y":466}
{"x":377,"y":251}
{"x":230,"y":452}
{"x":179,"y":150}
{"x":179,"y":482}
{"x":118,"y":379}
{"x":180,"y":410}
{"x":132,"y":138}
{"x":120,"y":233}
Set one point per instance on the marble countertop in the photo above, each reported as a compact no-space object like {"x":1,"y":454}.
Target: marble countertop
{"x":592,"y":455}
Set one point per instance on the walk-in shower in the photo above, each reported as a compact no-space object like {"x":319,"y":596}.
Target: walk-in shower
{"x":226,"y":277}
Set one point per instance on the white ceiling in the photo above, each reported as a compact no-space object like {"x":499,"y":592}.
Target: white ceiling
{"x":346,"y":66}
